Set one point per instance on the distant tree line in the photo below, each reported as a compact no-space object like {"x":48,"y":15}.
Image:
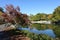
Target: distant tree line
{"x":55,"y":16}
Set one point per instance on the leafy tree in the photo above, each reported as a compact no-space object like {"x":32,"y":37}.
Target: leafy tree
{"x":14,"y":16}
{"x":56,"y":14}
{"x":49,"y":17}
{"x":38,"y":17}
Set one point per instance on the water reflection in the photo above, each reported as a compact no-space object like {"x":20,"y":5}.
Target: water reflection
{"x":43,"y":26}
{"x":38,"y":29}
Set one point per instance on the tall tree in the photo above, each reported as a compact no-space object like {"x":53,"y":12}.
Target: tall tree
{"x":56,"y":13}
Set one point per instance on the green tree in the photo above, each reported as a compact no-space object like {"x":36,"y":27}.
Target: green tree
{"x":56,"y":14}
{"x":38,"y":17}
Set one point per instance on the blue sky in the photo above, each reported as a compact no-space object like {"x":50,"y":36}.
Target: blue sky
{"x":33,"y":6}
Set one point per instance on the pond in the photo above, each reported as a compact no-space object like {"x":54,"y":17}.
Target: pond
{"x":47,"y":29}
{"x":41,"y":29}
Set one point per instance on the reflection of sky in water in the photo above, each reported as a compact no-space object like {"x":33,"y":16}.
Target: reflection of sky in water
{"x":47,"y":31}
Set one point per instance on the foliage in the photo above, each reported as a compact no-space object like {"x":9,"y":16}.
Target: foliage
{"x":38,"y":16}
{"x":56,"y":13}
{"x":57,"y":31}
{"x":37,"y":36}
{"x":0,"y":13}
{"x":14,"y":16}
{"x":42,"y":16}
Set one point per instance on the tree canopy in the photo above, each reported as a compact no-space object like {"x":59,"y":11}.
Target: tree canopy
{"x":14,"y":16}
{"x":56,"y":13}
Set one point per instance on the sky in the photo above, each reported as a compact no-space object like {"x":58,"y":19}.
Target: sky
{"x":33,"y":6}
